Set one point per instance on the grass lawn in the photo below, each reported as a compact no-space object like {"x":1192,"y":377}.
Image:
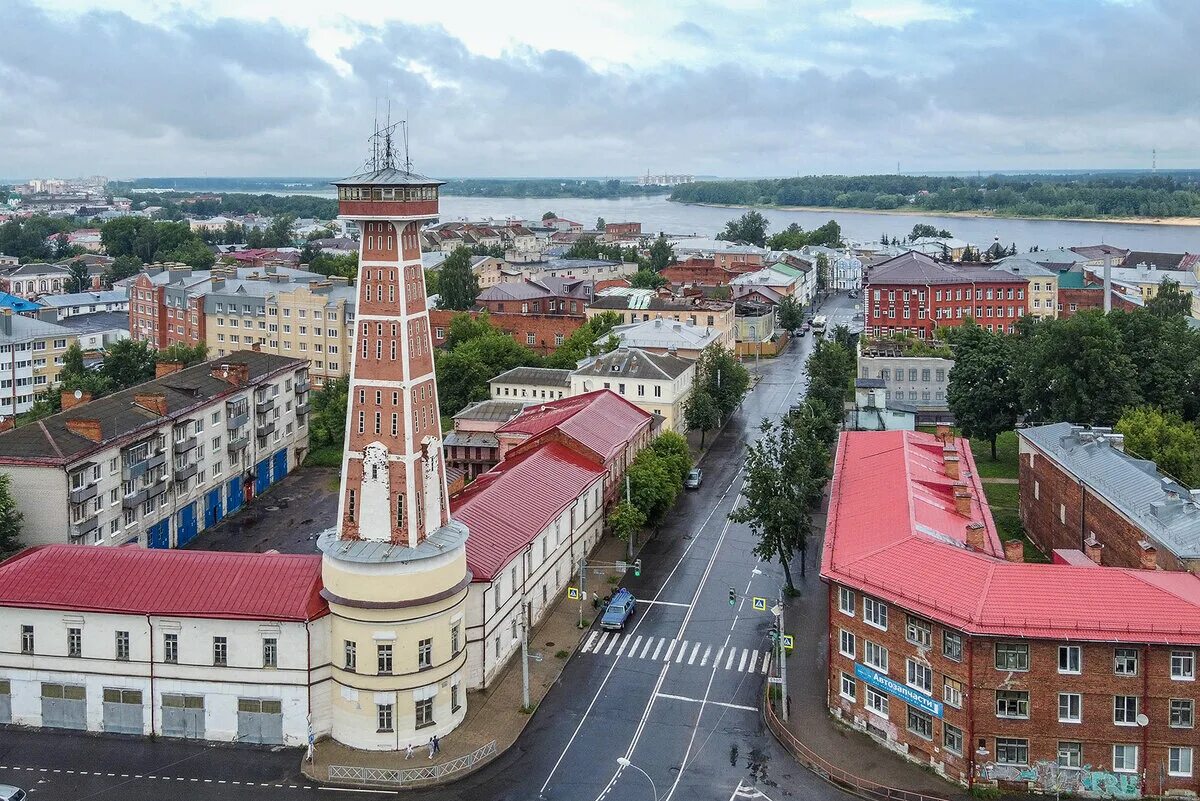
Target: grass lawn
{"x":1002,"y":498}
{"x":328,"y":456}
{"x":1005,"y":465}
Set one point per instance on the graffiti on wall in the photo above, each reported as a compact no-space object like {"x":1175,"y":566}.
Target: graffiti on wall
{"x":1079,"y":781}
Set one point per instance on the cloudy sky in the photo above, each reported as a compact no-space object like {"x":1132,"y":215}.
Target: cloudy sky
{"x":597,"y":87}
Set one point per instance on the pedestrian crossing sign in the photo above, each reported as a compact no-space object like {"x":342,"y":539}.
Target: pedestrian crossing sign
{"x":788,"y":641}
{"x":573,"y":593}
{"x":760,"y":604}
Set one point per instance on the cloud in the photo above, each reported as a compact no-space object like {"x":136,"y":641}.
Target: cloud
{"x":741,"y":89}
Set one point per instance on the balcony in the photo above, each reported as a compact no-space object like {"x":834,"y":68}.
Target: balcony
{"x":265,"y":429}
{"x":303,"y":385}
{"x":135,"y":470}
{"x":182,"y":474}
{"x":264,"y":405}
{"x":302,"y":409}
{"x":236,"y":444}
{"x":185,"y":445}
{"x":236,"y":421}
{"x":85,"y":527}
{"x":84,"y":493}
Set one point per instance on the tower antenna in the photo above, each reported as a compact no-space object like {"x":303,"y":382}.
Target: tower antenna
{"x":407,"y":160}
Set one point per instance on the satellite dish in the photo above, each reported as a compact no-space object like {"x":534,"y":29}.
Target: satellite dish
{"x":78,"y":394}
{"x":1142,"y":720}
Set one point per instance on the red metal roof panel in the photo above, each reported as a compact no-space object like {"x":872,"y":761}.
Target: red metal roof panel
{"x":601,"y":420}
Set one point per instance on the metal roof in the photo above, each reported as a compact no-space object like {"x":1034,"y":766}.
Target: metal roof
{"x":495,"y":410}
{"x":601,"y":420}
{"x":141,"y":581}
{"x":388,"y":177}
{"x":1155,"y":503}
{"x":635,"y":363}
{"x":538,"y":376}
{"x":915,"y":268}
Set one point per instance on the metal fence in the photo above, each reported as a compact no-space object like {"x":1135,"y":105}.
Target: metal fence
{"x":863,"y":788}
{"x":395,"y":777}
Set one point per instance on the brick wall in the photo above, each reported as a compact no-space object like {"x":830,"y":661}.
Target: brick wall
{"x":545,"y":328}
{"x":1089,"y":298}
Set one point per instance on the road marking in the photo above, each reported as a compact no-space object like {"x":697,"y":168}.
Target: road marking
{"x":633,"y":648}
{"x":753,"y":660}
{"x":352,"y":790}
{"x":666,"y":603}
{"x":742,"y":707}
{"x":766,"y":662}
{"x":717,"y":658}
{"x":611,"y":643}
{"x":682,"y":652}
{"x":732,"y":654}
{"x":658,"y":647}
{"x":624,"y":642}
{"x":704,"y":659}
{"x":695,"y":651}
{"x":670,"y":648}
{"x":742,"y":663}
{"x":591,"y":639}
{"x":646,"y":648}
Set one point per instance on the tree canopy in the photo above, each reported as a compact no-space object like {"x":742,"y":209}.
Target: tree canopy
{"x":458,"y":287}
{"x":1166,"y":439}
{"x":475,"y":352}
{"x":983,"y":391}
{"x":750,"y":228}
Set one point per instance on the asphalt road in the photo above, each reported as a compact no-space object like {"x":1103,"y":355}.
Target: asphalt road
{"x":676,"y":694}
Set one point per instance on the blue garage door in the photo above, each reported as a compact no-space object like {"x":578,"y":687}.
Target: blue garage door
{"x":187,"y":525}
{"x":212,"y":507}
{"x":262,"y":476}
{"x":279,"y":467}
{"x":234,"y":496}
{"x":159,"y":535}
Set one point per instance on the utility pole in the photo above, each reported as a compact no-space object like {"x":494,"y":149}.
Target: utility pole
{"x":582,"y":586}
{"x":783,"y":687}
{"x":525,"y":658}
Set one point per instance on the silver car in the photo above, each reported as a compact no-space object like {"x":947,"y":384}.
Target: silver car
{"x":10,"y":793}
{"x":694,"y":477}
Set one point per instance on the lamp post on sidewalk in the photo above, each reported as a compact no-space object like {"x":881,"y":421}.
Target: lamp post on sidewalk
{"x":625,"y":763}
{"x":783,"y":696}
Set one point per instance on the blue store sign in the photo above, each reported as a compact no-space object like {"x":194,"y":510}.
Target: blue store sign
{"x":902,"y":691}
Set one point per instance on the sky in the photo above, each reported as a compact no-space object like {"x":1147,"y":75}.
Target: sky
{"x":132,"y":88}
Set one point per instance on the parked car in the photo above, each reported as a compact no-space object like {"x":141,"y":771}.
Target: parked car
{"x":694,"y":477}
{"x":854,"y":293}
{"x":620,"y":610}
{"x":806,"y":328}
{"x":10,"y":793}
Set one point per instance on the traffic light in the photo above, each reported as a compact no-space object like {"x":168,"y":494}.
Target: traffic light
{"x":732,"y":597}
{"x":637,"y":568}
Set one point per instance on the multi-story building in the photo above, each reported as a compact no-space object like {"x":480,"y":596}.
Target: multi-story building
{"x":541,"y":332}
{"x":166,"y":305}
{"x":725,"y":255}
{"x":1144,"y":280}
{"x":471,"y":446}
{"x":656,"y":383}
{"x":948,"y":648}
{"x":639,"y":305}
{"x":697,"y":271}
{"x":531,"y":383}
{"x":770,"y":285}
{"x":1080,"y":488}
{"x":916,"y":373}
{"x":31,"y":357}
{"x":543,"y":296}
{"x":915,"y":294}
{"x":83,"y":303}
{"x":591,"y":270}
{"x":1043,"y":284}
{"x":685,"y":339}
{"x":160,"y":462}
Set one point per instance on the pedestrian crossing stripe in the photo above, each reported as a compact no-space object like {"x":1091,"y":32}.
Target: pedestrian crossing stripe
{"x":665,"y":649}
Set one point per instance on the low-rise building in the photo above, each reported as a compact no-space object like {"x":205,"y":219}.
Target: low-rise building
{"x":542,"y":332}
{"x":531,"y":383}
{"x":31,"y":357}
{"x":725,"y":255}
{"x":698,"y":271}
{"x":634,"y":305}
{"x":1043,"y":284}
{"x":915,"y":373}
{"x":158,"y":463}
{"x":770,"y":285}
{"x":1080,"y":291}
{"x":1145,"y":280}
{"x":873,"y":410}
{"x":81,"y":303}
{"x":666,"y":337}
{"x":471,"y":446}
{"x":591,"y":270}
{"x":31,"y":281}
{"x":543,"y":296}
{"x":655,"y":383}
{"x":756,"y":330}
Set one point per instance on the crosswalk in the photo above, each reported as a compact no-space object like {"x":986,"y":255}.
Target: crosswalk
{"x":663,"y":649}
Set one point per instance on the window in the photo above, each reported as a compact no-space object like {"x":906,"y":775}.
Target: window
{"x":1183,"y":713}
{"x":1012,"y":656}
{"x":350,"y":655}
{"x":383,"y":713}
{"x":220,"y":652}
{"x":1125,"y":758}
{"x":1012,"y":704}
{"x":952,"y":646}
{"x":424,"y":713}
{"x":876,"y":656}
{"x":123,"y":646}
{"x":1012,"y":751}
{"x":1069,"y":659}
{"x":1183,"y":665}
{"x":877,"y":702}
{"x":875,"y":613}
{"x":846,"y":644}
{"x":425,"y":653}
{"x":1070,"y":707}
{"x":454,"y":644}
{"x":846,"y":601}
{"x":27,"y":639}
{"x":1070,"y":755}
{"x":952,"y":691}
{"x":920,"y":676}
{"x":74,"y":642}
{"x":849,"y":687}
{"x":270,"y":652}
{"x":383,"y":654}
{"x":918,"y":632}
{"x":920,"y":723}
{"x":952,"y":739}
{"x":1179,"y":763}
{"x":1125,"y":710}
{"x":1125,"y":661}
{"x":171,"y":649}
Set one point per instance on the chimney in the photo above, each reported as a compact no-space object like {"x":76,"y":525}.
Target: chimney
{"x":256,"y":347}
{"x":218,"y":283}
{"x":152,"y":401}
{"x":944,"y":434}
{"x":6,"y":316}
{"x":1093,"y":549}
{"x":234,"y":373}
{"x":6,"y":423}
{"x":1149,"y":556}
{"x":962,"y":499}
{"x":1107,"y":283}
{"x":48,"y":315}
{"x":1014,"y":550}
{"x":86,"y":428}
{"x":951,"y":461}
{"x":976,"y":535}
{"x":166,"y":368}
{"x":69,"y":401}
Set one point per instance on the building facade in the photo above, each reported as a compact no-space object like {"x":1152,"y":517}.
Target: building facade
{"x":31,"y":357}
{"x":531,"y":383}
{"x":655,"y":383}
{"x":919,"y":381}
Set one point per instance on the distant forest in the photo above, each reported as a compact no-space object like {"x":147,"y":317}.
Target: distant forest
{"x":176,"y":204}
{"x":548,"y":188}
{"x":1082,"y":195}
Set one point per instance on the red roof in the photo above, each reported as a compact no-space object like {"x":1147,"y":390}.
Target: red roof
{"x":600,"y":420}
{"x":506,"y":507}
{"x":892,"y":532}
{"x":132,"y":580}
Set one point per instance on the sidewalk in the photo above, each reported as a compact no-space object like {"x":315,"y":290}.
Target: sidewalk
{"x":493,"y":714}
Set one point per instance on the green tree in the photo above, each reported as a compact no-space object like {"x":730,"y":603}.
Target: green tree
{"x":701,"y":413}
{"x":673,"y":449}
{"x":625,"y":520}
{"x":193,"y":253}
{"x":822,"y":272}
{"x":327,"y":426}
{"x":1165,"y":353}
{"x":591,"y":339}
{"x":661,"y":254}
{"x":790,"y":238}
{"x":790,"y":313}
{"x":549,"y":216}
{"x":647,"y":279}
{"x":122,"y":267}
{"x":983,"y":391}
{"x":1170,"y":300}
{"x":281,"y":232}
{"x":750,"y":228}
{"x":1165,"y":439}
{"x":600,"y":224}
{"x":78,"y":277}
{"x":254,"y":238}
{"x":11,"y":520}
{"x":653,"y":486}
{"x":457,"y":282}
{"x":183,"y":354}
{"x":925,"y":231}
{"x":129,"y":362}
{"x":725,"y":379}
{"x":432,"y":282}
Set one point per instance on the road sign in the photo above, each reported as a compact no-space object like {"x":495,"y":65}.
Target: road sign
{"x":760,"y":604}
{"x":788,"y":641}
{"x":774,"y":680}
{"x":573,"y":593}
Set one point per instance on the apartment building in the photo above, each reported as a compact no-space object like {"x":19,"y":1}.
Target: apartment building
{"x":1043,"y":284}
{"x":914,"y":372}
{"x":638,"y":305}
{"x":946,"y":647}
{"x":656,"y":383}
{"x":31,"y":357}
{"x":158,"y":463}
{"x":471,"y":446}
{"x":531,"y":383}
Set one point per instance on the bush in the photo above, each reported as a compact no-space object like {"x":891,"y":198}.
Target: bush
{"x":562,"y":654}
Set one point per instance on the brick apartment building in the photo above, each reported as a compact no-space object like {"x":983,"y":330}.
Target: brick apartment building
{"x":947,"y":648}
{"x":547,"y":295}
{"x":1079,"y":488}
{"x":1081,"y":291}
{"x":162,"y":308}
{"x":701,"y":271}
{"x":541,"y":332}
{"x":913,"y":293}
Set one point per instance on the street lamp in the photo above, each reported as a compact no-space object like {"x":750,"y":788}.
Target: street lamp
{"x":625,"y":763}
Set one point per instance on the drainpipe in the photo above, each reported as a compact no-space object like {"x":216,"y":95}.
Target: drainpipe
{"x":308,"y":683}
{"x":1143,"y":709}
{"x":970,"y":744}
{"x":150,"y":626}
{"x":1082,"y":513}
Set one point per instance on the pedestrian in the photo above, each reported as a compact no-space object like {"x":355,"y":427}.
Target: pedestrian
{"x":431,"y":747}
{"x":437,"y":745}
{"x":408,"y":752}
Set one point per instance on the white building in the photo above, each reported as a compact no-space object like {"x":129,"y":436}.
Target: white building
{"x":79,"y":303}
{"x":659,"y":384}
{"x":31,"y":357}
{"x":531,"y":383}
{"x":678,"y":339}
{"x":158,"y":463}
